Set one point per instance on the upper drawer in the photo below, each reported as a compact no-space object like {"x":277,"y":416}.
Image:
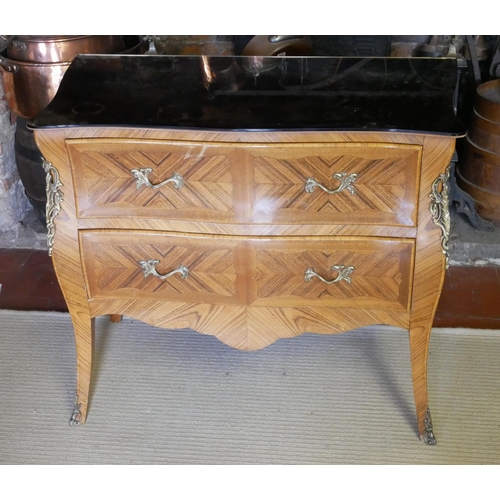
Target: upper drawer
{"x":336,"y":184}
{"x":123,"y":178}
{"x":247,"y":182}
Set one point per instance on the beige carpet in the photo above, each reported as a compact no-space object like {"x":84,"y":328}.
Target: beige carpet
{"x":166,"y":397}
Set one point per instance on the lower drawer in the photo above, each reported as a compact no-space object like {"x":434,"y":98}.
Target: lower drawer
{"x":364,"y":273}
{"x":258,"y":271}
{"x":148,"y":265}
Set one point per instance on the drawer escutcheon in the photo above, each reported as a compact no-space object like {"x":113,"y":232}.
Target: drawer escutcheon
{"x":149,"y":267}
{"x":141,"y":175}
{"x":346,"y":182}
{"x":344,"y":274}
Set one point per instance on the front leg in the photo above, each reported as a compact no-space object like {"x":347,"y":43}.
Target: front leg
{"x":63,"y":245}
{"x":431,"y":258}
{"x":84,"y":327}
{"x":428,"y":281}
{"x":419,"y":342}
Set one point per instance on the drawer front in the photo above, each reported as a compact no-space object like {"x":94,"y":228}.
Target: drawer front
{"x":333,"y":272}
{"x":260,"y":271}
{"x":247,"y":183}
{"x":144,"y":265}
{"x":155,"y":179}
{"x":336,"y":184}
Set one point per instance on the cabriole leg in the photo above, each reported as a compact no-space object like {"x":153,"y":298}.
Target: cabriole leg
{"x":419,"y":342}
{"x":84,"y":335}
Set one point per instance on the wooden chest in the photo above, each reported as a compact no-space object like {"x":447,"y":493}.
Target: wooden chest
{"x":251,"y":198}
{"x":249,"y":237}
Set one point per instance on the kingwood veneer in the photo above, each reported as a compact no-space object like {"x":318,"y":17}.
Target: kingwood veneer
{"x":260,"y":249}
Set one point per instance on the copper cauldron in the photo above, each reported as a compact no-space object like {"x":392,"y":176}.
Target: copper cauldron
{"x":29,"y":87}
{"x":33,"y":65}
{"x":60,"y":48}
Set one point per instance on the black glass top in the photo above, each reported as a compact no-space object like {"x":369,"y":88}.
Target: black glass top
{"x":257,"y":93}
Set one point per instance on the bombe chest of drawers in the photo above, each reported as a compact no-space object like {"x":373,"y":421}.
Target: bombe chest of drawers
{"x":203,"y":207}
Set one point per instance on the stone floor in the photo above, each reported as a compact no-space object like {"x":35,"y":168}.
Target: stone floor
{"x":470,"y":247}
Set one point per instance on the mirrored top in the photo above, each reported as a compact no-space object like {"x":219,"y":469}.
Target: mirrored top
{"x":257,"y":93}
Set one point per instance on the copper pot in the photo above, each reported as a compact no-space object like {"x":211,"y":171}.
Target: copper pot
{"x":275,"y":45}
{"x":60,"y":48}
{"x":262,"y":47}
{"x":30,"y":86}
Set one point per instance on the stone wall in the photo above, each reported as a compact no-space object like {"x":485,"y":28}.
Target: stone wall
{"x":14,"y":204}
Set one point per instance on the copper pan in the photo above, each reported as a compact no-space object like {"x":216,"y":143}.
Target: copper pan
{"x":135,"y":44}
{"x":261,"y":46}
{"x":30,"y":86}
{"x":60,"y":48}
{"x":275,"y":45}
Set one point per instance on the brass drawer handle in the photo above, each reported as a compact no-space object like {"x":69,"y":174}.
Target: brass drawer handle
{"x":344,"y":274}
{"x":346,"y":182}
{"x":149,"y":267}
{"x":141,"y":175}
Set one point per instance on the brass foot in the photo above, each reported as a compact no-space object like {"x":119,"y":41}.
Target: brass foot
{"x":76,"y":416}
{"x":428,"y":435}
